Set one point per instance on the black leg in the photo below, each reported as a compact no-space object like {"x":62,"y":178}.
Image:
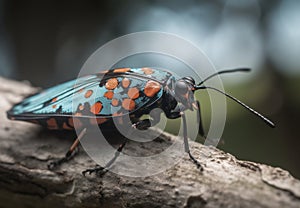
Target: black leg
{"x":142,"y":124}
{"x":200,"y":129}
{"x":176,"y":113}
{"x":102,"y":170}
{"x":186,"y":143}
{"x":147,"y":123}
{"x":73,"y":150}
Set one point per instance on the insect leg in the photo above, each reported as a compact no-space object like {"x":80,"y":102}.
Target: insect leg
{"x":141,"y":125}
{"x":147,"y":123}
{"x":200,"y":129}
{"x":174,"y":113}
{"x":70,"y":154}
{"x":102,"y":170}
{"x":186,"y":143}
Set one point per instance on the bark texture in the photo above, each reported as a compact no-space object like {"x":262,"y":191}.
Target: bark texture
{"x":25,"y":181}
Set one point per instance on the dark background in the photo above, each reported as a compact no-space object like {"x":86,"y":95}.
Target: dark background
{"x":47,"y":42}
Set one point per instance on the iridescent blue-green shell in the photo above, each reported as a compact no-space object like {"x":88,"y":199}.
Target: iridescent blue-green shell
{"x":110,"y":93}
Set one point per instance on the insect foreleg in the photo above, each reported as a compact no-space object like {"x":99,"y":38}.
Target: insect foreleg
{"x":173,"y":114}
{"x":186,"y":143}
{"x":200,"y":129}
{"x":147,"y":123}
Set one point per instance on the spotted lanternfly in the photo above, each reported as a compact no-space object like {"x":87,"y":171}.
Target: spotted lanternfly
{"x":117,"y":92}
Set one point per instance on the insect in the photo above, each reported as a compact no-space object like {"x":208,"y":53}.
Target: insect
{"x":120,"y":92}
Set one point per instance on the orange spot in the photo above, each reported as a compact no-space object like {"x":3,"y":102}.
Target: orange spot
{"x":74,"y":122}
{"x":128,"y":104}
{"x":78,"y":114}
{"x":117,"y":114}
{"x":96,"y":108}
{"x":151,"y":88}
{"x":53,"y":106}
{"x":54,"y":100}
{"x":109,"y":95}
{"x":121,"y":70}
{"x":111,"y":83}
{"x":115,"y":102}
{"x":120,"y":118}
{"x":81,"y":90}
{"x":88,"y":93}
{"x":80,"y":107}
{"x":70,"y":121}
{"x":133,"y":93}
{"x":52,"y":124}
{"x":97,"y":121}
{"x":125,"y":82}
{"x":147,"y":71}
{"x":65,"y":126}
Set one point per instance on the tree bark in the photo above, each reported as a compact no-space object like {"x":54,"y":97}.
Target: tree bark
{"x":25,"y":181}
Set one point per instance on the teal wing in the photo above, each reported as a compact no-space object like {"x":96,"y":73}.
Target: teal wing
{"x":115,"y":92}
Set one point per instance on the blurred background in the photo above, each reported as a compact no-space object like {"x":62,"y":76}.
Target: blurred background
{"x":47,"y":42}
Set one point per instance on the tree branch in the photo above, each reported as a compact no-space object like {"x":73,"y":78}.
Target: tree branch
{"x":25,"y":180}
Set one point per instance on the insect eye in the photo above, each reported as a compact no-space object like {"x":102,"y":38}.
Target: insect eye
{"x":181,"y":88}
{"x":189,"y":80}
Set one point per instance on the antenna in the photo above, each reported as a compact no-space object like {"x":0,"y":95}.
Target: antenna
{"x":225,"y":71}
{"x":267,"y":121}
